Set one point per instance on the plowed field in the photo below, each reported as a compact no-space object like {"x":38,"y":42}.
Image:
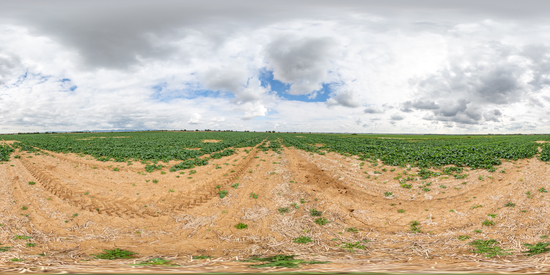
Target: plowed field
{"x":57,"y":209}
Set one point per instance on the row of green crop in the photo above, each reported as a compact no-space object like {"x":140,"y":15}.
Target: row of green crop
{"x":476,"y":153}
{"x":164,"y":146}
{"x":545,"y":153}
{"x":5,"y":152}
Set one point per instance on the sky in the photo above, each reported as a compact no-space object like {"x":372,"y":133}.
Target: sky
{"x":360,"y":66}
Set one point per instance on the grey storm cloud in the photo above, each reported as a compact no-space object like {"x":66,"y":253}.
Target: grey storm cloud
{"x":302,"y":62}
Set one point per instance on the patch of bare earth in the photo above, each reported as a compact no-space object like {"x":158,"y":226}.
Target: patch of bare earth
{"x":79,"y":206}
{"x":211,"y":141}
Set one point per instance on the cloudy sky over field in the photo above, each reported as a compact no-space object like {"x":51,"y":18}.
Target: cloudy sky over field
{"x":393,"y":66}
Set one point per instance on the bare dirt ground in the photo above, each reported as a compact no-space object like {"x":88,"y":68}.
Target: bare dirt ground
{"x":78,"y":206}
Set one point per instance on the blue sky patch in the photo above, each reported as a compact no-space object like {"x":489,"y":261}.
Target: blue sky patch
{"x":163,"y":94}
{"x":266,"y":78}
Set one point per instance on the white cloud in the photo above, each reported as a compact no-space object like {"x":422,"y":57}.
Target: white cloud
{"x":175,"y":66}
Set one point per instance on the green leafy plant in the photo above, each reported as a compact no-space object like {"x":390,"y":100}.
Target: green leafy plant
{"x":235,"y":185}
{"x":30,"y":244}
{"x":113,"y":254}
{"x":201,"y":257}
{"x":303,"y":240}
{"x":295,"y":205}
{"x":321,"y":221}
{"x":315,"y":213}
{"x":510,"y":204}
{"x":351,"y":246}
{"x":401,"y":211}
{"x":414,"y":227}
{"x":283,"y":210}
{"x":21,"y":237}
{"x":492,"y":215}
{"x":489,"y":248}
{"x":32,"y":183}
{"x":535,"y":249}
{"x":154,"y":262}
{"x":253,"y":195}
{"x":542,"y":190}
{"x":223,"y":193}
{"x":463,"y":237}
{"x":287,"y":261}
{"x":5,"y":248}
{"x":352,"y":229}
{"x":488,"y":223}
{"x":387,"y":194}
{"x":241,"y":225}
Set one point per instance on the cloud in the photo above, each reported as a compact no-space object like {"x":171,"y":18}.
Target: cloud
{"x":345,"y":98}
{"x":254,"y":110}
{"x":195,"y":119}
{"x":373,"y":110}
{"x":8,"y":66}
{"x":397,"y":117}
{"x":301,"y":62}
{"x":493,"y":115}
{"x":137,"y":64}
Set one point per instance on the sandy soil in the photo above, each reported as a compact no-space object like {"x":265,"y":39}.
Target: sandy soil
{"x":79,"y":206}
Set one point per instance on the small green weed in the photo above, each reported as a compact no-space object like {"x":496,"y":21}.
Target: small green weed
{"x":315,"y":213}
{"x":21,"y":237}
{"x":155,"y":261}
{"x":5,"y":248}
{"x":32,"y":183}
{"x":492,"y":215}
{"x":489,"y":248}
{"x":235,"y":185}
{"x":510,"y":204}
{"x":352,"y":229}
{"x":241,"y":225}
{"x":414,"y":227}
{"x":283,"y":210}
{"x":321,"y":221}
{"x":401,"y":211}
{"x":288,"y":261}
{"x":223,"y":193}
{"x":253,"y":195}
{"x":113,"y":254}
{"x":538,"y":248}
{"x":303,"y":240}
{"x":488,"y":223}
{"x":351,"y":246}
{"x":387,"y":194}
{"x":201,"y":257}
{"x":30,"y":244}
{"x":463,"y":237}
{"x":295,"y":205}
{"x":17,"y":260}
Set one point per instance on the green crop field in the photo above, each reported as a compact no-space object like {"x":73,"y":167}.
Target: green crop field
{"x":423,"y":151}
